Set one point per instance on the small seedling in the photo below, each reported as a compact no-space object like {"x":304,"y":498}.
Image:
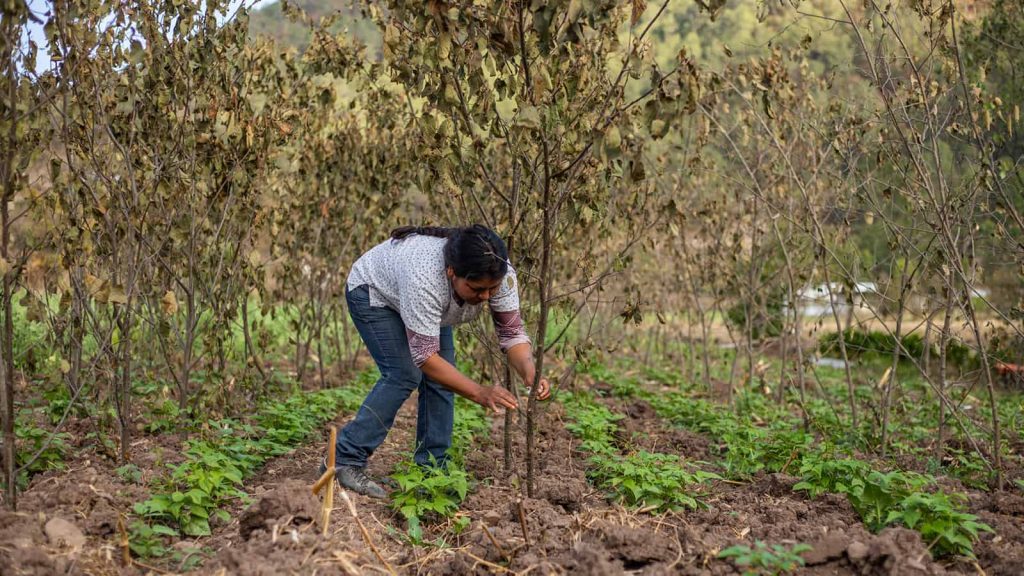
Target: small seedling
{"x":762,"y":559}
{"x":129,"y":473}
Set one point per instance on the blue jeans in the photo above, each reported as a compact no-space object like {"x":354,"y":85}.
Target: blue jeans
{"x":383,"y":332}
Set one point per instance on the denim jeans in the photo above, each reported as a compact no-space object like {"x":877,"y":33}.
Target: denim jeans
{"x":383,"y":332}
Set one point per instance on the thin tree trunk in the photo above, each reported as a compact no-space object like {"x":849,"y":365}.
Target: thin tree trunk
{"x":7,"y":335}
{"x":850,"y":391}
{"x":792,"y":289}
{"x":986,"y":371}
{"x":940,"y":445}
{"x":542,"y":323}
{"x":123,"y":388}
{"x":887,"y":393}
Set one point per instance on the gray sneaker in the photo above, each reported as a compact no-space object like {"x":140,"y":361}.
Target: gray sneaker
{"x":355,"y":479}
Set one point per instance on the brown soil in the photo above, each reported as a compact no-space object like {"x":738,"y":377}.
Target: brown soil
{"x":567,"y":527}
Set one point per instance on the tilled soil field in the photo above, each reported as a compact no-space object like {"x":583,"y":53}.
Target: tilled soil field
{"x":69,"y":523}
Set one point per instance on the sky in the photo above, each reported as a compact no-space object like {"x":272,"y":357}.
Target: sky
{"x":41,"y":8}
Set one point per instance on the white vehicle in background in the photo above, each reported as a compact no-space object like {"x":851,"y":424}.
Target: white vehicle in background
{"x":815,"y":301}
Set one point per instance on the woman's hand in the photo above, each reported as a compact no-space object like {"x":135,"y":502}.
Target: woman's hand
{"x":543,"y":389}
{"x":520,"y":357}
{"x":491,"y":397}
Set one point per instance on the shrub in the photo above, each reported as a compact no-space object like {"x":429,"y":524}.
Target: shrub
{"x":871,"y":344}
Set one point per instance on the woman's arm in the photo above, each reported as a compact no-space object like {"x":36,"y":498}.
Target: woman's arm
{"x":439,"y":370}
{"x":520,"y":357}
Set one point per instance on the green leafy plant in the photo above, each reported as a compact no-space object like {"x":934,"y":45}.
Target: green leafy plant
{"x":750,"y":449}
{"x":657,"y":481}
{"x":764,"y":559}
{"x":214,"y":467}
{"x":435,"y":492}
{"x":39,"y":449}
{"x":885,"y":498}
{"x":872,"y":344}
{"x":470,"y":420}
{"x":944,"y":528}
{"x":147,"y":540}
{"x":821,"y":475}
{"x":426,"y":491}
{"x":162,"y":415}
{"x":877,"y":494}
{"x":968,"y":468}
{"x":592,"y":423}
{"x":129,"y":473}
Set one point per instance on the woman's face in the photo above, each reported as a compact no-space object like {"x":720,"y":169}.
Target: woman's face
{"x":473,"y":291}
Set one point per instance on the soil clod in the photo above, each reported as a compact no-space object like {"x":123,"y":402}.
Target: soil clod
{"x":290,"y":503}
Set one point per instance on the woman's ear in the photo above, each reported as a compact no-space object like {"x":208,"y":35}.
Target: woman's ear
{"x":450,"y":272}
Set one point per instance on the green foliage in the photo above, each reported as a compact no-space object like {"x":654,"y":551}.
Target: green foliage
{"x":592,"y":423}
{"x":875,"y":495}
{"x":695,"y":414}
{"x":645,"y":479}
{"x":649,"y":480}
{"x":820,"y":475}
{"x":424,"y":491}
{"x":429,"y":492}
{"x":209,"y":476}
{"x":872,"y":344}
{"x":162,"y":415}
{"x":968,"y":467}
{"x":944,"y":527}
{"x":762,"y":559}
{"x":30,"y":344}
{"x":214,"y":467}
{"x":39,"y":449}
{"x":58,"y":399}
{"x":147,"y":541}
{"x":470,"y":420}
{"x":885,"y":498}
{"x":750,"y":450}
{"x":746,"y":448}
{"x":129,"y":473}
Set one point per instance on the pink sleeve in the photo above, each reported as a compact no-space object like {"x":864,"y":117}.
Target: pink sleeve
{"x":422,"y":347}
{"x":510,"y":329}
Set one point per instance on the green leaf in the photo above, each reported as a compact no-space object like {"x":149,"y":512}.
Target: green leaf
{"x":164,"y":530}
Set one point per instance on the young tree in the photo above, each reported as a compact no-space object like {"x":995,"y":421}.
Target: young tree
{"x":23,"y":131}
{"x":527,"y":125}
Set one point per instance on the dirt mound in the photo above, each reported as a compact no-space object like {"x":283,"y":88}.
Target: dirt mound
{"x":292,"y":552}
{"x":569,"y":494}
{"x":1003,"y":551}
{"x":288,"y":504}
{"x":893,"y":552}
{"x":586,"y":558}
{"x":26,"y":548}
{"x":634,"y":547}
{"x":1006,"y":503}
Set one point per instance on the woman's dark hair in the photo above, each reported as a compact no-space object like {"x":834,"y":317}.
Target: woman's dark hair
{"x":474,"y":252}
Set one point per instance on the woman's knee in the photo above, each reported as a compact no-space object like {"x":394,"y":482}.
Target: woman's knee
{"x":405,"y":378}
